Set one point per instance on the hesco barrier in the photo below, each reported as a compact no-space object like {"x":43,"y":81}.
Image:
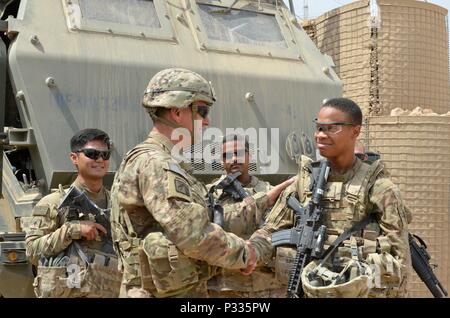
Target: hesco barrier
{"x":397,"y":58}
{"x":413,"y":56}
{"x":344,"y":34}
{"x":416,"y":151}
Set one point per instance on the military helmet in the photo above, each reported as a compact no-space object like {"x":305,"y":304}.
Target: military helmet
{"x":177,"y":87}
{"x":351,"y":280}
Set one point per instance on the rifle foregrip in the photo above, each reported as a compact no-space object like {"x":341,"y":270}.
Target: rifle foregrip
{"x":293,"y":289}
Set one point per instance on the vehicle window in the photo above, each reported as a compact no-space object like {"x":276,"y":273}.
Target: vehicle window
{"x":134,"y":12}
{"x":240,"y":26}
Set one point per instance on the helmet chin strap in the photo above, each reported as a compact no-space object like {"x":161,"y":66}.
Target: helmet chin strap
{"x":162,"y":120}
{"x":194,"y":110}
{"x":173,"y":124}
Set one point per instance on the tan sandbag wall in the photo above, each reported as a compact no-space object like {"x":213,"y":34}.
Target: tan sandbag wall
{"x":401,"y":63}
{"x":344,"y":34}
{"x":412,"y":56}
{"x":416,"y":151}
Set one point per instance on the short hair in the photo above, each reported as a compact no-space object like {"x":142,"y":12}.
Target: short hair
{"x":81,"y":138}
{"x":346,"y":106}
{"x":235,"y":137}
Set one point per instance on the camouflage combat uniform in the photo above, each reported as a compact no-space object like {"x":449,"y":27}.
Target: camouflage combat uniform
{"x":49,"y":235}
{"x":349,"y":198}
{"x":243,"y":219}
{"x":159,"y":208}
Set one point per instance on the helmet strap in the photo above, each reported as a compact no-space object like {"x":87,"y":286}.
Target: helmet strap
{"x":194,"y":111}
{"x":163,"y":120}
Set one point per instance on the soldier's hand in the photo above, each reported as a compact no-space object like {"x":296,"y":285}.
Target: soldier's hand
{"x":251,"y":264}
{"x":274,"y":193}
{"x":90,"y":230}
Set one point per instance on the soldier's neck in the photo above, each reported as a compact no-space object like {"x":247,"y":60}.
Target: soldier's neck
{"x":164,"y":130}
{"x":93,"y":185}
{"x":343,"y":163}
{"x":244,"y":179}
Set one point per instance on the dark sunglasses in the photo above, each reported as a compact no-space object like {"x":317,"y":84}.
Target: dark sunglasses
{"x":361,"y":156}
{"x":94,"y":154}
{"x":203,"y":111}
{"x":230,"y":154}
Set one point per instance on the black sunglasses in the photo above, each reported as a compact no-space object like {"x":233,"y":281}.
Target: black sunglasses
{"x":94,"y":154}
{"x":230,"y":154}
{"x":203,"y":111}
{"x":361,"y":156}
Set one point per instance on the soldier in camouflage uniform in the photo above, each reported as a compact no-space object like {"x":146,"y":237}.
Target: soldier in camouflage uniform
{"x":166,"y":243}
{"x":243,"y":218}
{"x":354,"y":190}
{"x":62,"y":243}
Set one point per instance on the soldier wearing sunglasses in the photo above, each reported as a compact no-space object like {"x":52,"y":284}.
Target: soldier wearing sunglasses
{"x":243,"y":217}
{"x":355,"y":192}
{"x":55,"y":237}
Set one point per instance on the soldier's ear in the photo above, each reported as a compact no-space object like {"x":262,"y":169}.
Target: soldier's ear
{"x":74,"y":158}
{"x":356,"y":131}
{"x":175,"y":114}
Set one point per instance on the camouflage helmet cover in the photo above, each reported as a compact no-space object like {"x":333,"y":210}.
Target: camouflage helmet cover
{"x":177,"y":87}
{"x":353,"y":281}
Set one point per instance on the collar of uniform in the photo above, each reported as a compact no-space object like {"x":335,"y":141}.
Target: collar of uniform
{"x":348,"y":175}
{"x":168,"y":145}
{"x":253,"y":182}
{"x":163,"y":140}
{"x":92,"y":195}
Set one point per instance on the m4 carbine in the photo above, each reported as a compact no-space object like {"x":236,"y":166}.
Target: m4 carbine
{"x":78,"y":202}
{"x":231,"y":185}
{"x":307,"y":235}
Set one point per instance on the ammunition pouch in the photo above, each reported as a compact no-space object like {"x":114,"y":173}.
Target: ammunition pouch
{"x":99,"y":279}
{"x":51,"y":282}
{"x":170,"y":270}
{"x":130,"y":261}
{"x":387,"y":270}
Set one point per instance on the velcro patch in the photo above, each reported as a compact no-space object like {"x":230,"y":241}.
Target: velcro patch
{"x":182,"y":187}
{"x":41,"y":210}
{"x":178,"y":187}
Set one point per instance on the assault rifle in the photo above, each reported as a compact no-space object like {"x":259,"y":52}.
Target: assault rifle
{"x":78,"y":202}
{"x":231,"y":185}
{"x":420,"y":261}
{"x":306,"y":235}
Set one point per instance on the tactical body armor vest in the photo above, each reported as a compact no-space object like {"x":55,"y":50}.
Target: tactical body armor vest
{"x":147,"y":258}
{"x":346,"y":203}
{"x":84,"y":269}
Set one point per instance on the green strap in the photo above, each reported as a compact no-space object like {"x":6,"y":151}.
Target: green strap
{"x":344,"y":236}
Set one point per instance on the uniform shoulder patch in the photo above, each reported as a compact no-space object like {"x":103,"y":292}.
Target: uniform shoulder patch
{"x":179,"y":187}
{"x":182,"y":187}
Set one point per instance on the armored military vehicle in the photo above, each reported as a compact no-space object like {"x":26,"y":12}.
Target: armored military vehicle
{"x":71,"y":64}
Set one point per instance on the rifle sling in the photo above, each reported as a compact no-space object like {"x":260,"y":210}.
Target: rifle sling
{"x":345,"y":235}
